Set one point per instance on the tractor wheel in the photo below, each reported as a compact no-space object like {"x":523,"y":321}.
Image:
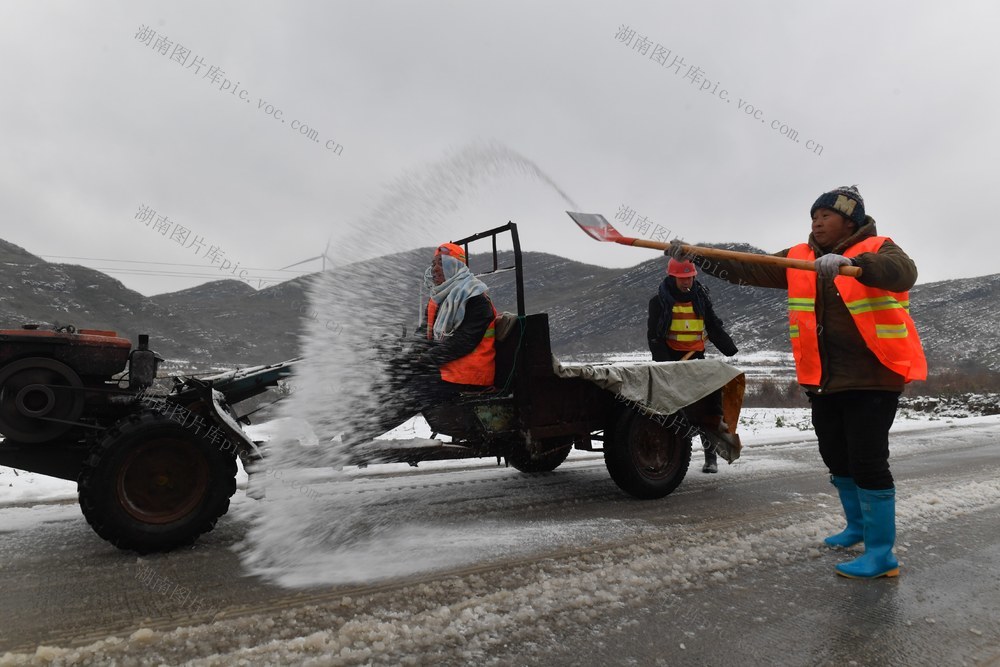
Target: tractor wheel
{"x":152,"y":484}
{"x":551,"y":457}
{"x":40,"y":399}
{"x":645,"y":458}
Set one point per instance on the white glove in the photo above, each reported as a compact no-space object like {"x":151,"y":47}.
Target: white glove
{"x":828,"y":266}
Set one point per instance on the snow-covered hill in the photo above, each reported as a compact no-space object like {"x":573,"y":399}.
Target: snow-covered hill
{"x":592,"y":310}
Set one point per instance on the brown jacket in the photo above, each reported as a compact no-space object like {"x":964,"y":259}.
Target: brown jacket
{"x":846,"y":361}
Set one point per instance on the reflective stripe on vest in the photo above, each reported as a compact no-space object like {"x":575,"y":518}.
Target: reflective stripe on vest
{"x":687,"y":329}
{"x":882,"y":318}
{"x":477,"y":367}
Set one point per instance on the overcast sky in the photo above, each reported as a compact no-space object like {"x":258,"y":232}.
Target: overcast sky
{"x":97,"y":123}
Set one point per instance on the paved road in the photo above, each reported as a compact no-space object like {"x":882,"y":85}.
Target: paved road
{"x":723,"y":571}
{"x":943,"y":610}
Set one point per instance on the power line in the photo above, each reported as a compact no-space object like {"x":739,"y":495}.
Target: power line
{"x":139,"y":261}
{"x":138,"y":271}
{"x":153,"y":273}
{"x":179,"y":274}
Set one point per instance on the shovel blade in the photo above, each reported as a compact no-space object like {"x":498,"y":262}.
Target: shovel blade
{"x":726,"y":445}
{"x":596,"y":226}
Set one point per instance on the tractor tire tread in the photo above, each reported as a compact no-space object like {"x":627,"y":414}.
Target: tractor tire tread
{"x":127,"y":534}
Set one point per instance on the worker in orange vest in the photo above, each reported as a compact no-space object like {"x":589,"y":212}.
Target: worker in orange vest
{"x":855,"y":347}
{"x":460,"y":321}
{"x":453,"y":353}
{"x":681,"y":319}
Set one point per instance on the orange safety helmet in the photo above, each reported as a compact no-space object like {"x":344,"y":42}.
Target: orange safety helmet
{"x":452,"y":250}
{"x":681,"y":269}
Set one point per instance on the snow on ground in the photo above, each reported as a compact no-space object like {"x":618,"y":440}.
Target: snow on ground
{"x":19,"y":488}
{"x":357,"y":550}
{"x":20,"y":518}
{"x":422,"y":618}
{"x":758,"y":426}
{"x":469,"y":615}
{"x":24,"y":488}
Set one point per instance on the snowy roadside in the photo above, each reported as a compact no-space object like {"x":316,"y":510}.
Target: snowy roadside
{"x":463,"y":618}
{"x":758,"y":426}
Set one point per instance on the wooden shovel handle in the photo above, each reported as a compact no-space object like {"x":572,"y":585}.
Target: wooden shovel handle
{"x":748,"y":257}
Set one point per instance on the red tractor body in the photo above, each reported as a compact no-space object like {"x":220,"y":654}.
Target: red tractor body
{"x":154,"y":469}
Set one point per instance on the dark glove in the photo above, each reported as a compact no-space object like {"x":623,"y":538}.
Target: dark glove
{"x":724,"y":342}
{"x":424,"y":364}
{"x":828,"y":266}
{"x":676,"y":251}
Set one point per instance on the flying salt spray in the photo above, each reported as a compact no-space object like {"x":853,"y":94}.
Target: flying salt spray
{"x":318,"y":522}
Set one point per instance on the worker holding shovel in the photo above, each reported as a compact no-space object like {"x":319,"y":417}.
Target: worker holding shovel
{"x":681,"y":318}
{"x":855,"y":346}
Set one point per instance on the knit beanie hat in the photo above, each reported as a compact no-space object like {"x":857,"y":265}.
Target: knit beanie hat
{"x":845,"y":200}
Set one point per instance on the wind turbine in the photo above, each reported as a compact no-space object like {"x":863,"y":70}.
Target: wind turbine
{"x":324,"y":256}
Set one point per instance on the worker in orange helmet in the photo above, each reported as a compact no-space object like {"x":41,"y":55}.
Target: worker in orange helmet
{"x":453,"y":352}
{"x":681,"y":319}
{"x":460,"y":320}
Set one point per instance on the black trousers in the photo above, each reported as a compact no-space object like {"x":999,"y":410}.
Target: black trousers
{"x":404,"y":394}
{"x":853,"y":432}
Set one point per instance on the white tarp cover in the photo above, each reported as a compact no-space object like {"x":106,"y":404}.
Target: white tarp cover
{"x":663,"y":387}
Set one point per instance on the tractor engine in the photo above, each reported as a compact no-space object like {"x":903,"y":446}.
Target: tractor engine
{"x":153,"y":471}
{"x":49,"y":379}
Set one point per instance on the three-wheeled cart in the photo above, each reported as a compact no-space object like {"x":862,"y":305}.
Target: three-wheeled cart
{"x":641,"y":415}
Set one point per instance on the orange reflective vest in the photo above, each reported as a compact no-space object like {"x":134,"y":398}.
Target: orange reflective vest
{"x":882,"y":317}
{"x":687,"y":328}
{"x":477,"y":367}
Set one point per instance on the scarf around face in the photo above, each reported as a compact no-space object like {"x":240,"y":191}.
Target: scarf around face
{"x":458,"y":287}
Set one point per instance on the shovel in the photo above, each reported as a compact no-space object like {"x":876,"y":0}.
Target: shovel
{"x":595,"y":225}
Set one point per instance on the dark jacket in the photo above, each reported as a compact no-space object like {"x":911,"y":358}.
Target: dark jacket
{"x":478,"y":317}
{"x":846,"y":360}
{"x":660,"y":311}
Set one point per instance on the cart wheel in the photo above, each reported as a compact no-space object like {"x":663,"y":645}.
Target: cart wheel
{"x":152,"y":484}
{"x":551,"y":457}
{"x":645,"y":458}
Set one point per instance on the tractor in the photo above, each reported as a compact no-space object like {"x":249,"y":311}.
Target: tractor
{"x":154,"y":469}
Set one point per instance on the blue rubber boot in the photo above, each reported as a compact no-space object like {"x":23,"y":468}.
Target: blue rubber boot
{"x":878,"y":507}
{"x":854,"y":532}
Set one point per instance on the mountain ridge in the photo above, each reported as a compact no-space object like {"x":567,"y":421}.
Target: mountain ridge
{"x":591,"y":309}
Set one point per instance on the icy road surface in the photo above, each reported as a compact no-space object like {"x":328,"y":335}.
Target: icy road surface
{"x":492,"y":567}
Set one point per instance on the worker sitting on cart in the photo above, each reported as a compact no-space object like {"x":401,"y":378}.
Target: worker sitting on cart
{"x":455,"y":352}
{"x":681,"y":318}
{"x":460,"y":322}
